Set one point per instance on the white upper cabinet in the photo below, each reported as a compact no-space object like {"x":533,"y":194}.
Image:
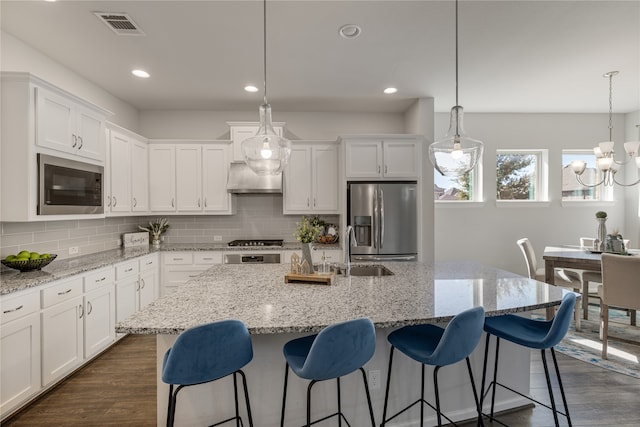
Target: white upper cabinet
{"x":63,"y":124}
{"x":127,"y":173}
{"x":311,"y":179}
{"x":190,"y":178}
{"x":389,"y":157}
{"x":215,"y":167}
{"x":38,"y":117}
{"x":162,"y":178}
{"x":242,"y":130}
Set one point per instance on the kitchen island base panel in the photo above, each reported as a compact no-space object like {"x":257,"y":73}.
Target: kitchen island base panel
{"x":201,"y":404}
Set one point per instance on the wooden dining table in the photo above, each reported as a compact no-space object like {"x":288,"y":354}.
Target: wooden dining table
{"x":576,"y":257}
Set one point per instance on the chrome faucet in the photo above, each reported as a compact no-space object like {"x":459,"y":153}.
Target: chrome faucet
{"x":350,"y":239}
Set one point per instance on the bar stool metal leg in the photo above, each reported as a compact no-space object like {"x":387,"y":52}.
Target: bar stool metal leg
{"x":284,"y":394}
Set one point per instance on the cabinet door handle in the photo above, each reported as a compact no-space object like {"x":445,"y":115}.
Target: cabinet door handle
{"x":143,"y":283}
{"x":75,"y":140}
{"x":385,"y":169}
{"x":81,"y":142}
{"x":13,"y":309}
{"x":64,"y":292}
{"x":115,"y":201}
{"x":137,"y":285}
{"x":314,"y":202}
{"x":90,"y":308}
{"x":198,"y":201}
{"x":378,"y":168}
{"x":135,"y":202}
{"x":205,"y":202}
{"x":108,"y":201}
{"x":81,"y":307}
{"x":172,"y":204}
{"x":307,"y":202}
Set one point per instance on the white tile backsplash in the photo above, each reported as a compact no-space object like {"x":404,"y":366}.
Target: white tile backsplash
{"x":257,"y":216}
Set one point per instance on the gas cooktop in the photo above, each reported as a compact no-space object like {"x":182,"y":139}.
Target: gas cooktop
{"x":256,"y":242}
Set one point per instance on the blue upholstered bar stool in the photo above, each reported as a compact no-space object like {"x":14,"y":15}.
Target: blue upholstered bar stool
{"x":336,"y":351}
{"x":435,"y":346}
{"x":535,"y":334}
{"x":207,"y":353}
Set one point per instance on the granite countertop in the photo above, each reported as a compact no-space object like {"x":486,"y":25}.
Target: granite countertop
{"x":14,"y":281}
{"x":416,"y":293}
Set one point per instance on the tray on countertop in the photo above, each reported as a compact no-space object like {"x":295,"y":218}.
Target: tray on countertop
{"x":315,"y":278}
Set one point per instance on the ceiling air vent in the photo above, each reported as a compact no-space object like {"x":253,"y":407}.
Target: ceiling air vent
{"x":120,"y":23}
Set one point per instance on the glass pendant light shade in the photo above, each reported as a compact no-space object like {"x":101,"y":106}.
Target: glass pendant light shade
{"x":266,"y":153}
{"x":455,"y":154}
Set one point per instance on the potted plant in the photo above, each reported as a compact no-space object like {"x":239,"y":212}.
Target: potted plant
{"x":156,"y":228}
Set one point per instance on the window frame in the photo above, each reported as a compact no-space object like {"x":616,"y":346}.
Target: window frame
{"x":477,"y":185}
{"x":541,"y":176}
{"x":606,"y":194}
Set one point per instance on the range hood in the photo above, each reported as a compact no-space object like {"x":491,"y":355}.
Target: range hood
{"x":245,"y":181}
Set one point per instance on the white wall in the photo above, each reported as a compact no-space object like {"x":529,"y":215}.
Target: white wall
{"x":18,"y":56}
{"x":488,"y":233}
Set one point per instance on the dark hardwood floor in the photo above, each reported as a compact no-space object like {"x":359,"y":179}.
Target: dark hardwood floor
{"x":118,"y":388}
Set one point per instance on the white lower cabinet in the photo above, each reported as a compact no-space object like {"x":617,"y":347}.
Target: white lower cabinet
{"x":48,"y":332}
{"x":62,"y":339}
{"x":179,"y":267}
{"x":19,"y":350}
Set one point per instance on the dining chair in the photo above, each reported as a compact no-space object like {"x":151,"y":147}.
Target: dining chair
{"x":620,"y":288}
{"x":562,"y":277}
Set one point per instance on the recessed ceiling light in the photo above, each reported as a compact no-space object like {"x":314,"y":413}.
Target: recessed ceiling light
{"x":350,"y":31}
{"x":141,"y":73}
{"x":50,"y":1}
{"x":250,"y":88}
{"x":390,"y":90}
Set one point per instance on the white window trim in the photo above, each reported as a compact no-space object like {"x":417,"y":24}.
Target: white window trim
{"x":542,"y":176}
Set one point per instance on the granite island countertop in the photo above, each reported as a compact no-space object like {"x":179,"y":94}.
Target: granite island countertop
{"x":13,"y":281}
{"x":416,"y":293}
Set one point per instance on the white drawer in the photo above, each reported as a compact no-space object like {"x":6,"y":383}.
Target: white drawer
{"x":207,"y":258}
{"x":148,"y":263}
{"x":178,"y":258}
{"x":14,"y":307}
{"x":126,"y":269}
{"x":97,"y":279}
{"x":181,"y":275}
{"x":61,"y":292}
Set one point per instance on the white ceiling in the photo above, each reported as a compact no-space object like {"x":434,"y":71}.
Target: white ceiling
{"x":515,"y":56}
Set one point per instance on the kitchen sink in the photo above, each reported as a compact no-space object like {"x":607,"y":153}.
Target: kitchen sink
{"x":370,"y":270}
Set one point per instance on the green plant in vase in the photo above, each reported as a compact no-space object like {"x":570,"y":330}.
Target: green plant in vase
{"x":156,"y":228}
{"x":307,"y":231}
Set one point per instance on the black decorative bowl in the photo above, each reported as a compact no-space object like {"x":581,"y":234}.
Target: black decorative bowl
{"x":29,"y":264}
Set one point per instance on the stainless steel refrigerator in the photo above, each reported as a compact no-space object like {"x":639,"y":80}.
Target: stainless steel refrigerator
{"x":384,"y":218}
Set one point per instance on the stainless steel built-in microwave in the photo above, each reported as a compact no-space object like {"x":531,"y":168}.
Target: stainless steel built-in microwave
{"x":68,"y":187}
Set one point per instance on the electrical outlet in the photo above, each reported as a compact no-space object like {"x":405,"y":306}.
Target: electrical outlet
{"x":217,"y":238}
{"x":374,"y":380}
{"x":73,"y":250}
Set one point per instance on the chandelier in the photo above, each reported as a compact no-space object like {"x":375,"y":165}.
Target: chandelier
{"x":457,"y":153}
{"x":266,"y":153}
{"x":604,"y":153}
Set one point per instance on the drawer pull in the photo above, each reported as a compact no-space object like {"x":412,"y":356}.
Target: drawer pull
{"x":128,"y":270}
{"x":90,"y":309}
{"x":149,"y":262}
{"x":64,"y":292}
{"x":193,"y":275}
{"x":101,"y":280}
{"x":178,"y":259}
{"x":207,"y":259}
{"x":13,"y":309}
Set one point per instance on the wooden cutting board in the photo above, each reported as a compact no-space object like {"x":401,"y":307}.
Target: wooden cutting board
{"x":324,"y":279}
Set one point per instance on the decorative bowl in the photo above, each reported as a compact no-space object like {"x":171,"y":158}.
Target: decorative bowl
{"x":329,"y":235}
{"x":29,"y":264}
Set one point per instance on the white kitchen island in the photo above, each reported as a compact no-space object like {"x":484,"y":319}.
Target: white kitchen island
{"x":275,"y":312}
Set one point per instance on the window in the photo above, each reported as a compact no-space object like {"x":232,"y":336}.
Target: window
{"x":571,"y":188}
{"x":521,"y":175}
{"x":460,"y":189}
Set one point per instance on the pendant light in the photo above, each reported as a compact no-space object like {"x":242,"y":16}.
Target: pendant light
{"x":455,"y":154}
{"x":266,"y":153}
{"x":605,"y":161}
